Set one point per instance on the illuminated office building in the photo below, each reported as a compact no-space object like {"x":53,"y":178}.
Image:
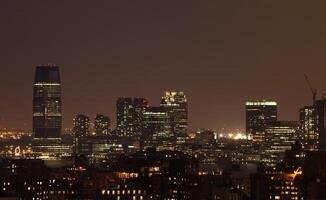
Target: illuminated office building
{"x":321,"y":122}
{"x":124,"y":116}
{"x":156,"y":121}
{"x":308,"y":128}
{"x":279,"y":137}
{"x":177,"y":107}
{"x":94,"y":148}
{"x":47,"y":113}
{"x":259,"y":114}
{"x":81,"y":130}
{"x":129,"y":116}
{"x":81,"y":126}
{"x":139,"y":106}
{"x":102,"y":125}
{"x":156,"y":129}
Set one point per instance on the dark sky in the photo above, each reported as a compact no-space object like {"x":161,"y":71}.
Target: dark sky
{"x":219,"y":52}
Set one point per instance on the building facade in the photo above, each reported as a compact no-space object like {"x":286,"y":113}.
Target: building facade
{"x":102,"y":125}
{"x":321,"y":122}
{"x":157,"y":130}
{"x":308,"y":128}
{"x":129,"y":115}
{"x":47,"y":114}
{"x":279,"y":137}
{"x":177,"y":107}
{"x":47,"y":103}
{"x":81,"y":126}
{"x":81,"y":130}
{"x":259,"y":114}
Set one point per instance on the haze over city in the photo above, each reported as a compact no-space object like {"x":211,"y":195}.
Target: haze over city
{"x":162,"y":100}
{"x":219,"y":53}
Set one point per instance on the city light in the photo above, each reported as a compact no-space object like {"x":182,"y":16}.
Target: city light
{"x":163,"y":100}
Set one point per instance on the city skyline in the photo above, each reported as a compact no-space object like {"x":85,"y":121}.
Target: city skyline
{"x":219,"y":63}
{"x":163,"y":100}
{"x":113,"y":115}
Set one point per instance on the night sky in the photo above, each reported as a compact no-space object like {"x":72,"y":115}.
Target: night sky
{"x":220,"y":53}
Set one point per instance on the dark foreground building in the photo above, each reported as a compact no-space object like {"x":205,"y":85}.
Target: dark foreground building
{"x":140,"y":176}
{"x":315,"y":175}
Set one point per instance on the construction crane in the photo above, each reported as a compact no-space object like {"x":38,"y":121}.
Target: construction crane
{"x":313,"y":90}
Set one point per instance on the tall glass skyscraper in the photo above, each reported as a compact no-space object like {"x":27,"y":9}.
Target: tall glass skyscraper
{"x":129,"y":115}
{"x":321,"y":121}
{"x":177,"y":107}
{"x":259,"y":114}
{"x":47,"y":113}
{"x":280,"y":136}
{"x":308,"y":128}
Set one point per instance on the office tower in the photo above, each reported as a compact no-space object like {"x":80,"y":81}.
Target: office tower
{"x":177,"y":107}
{"x":47,"y":114}
{"x":156,"y":121}
{"x":279,"y":137}
{"x":81,"y":131}
{"x":124,"y":116}
{"x":139,"y":106}
{"x":321,"y":121}
{"x":259,"y":114}
{"x":308,"y":128}
{"x":129,"y":113}
{"x":81,"y":126}
{"x":157,"y":131}
{"x":102,"y":125}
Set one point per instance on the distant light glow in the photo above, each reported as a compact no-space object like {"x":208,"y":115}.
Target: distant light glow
{"x":234,"y":136}
{"x":17,"y":151}
{"x":47,"y":84}
{"x":261,"y":103}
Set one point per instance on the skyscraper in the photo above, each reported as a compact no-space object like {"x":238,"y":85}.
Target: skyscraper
{"x":308,"y":128}
{"x":156,"y":129}
{"x":156,"y":122}
{"x":129,"y":115}
{"x":279,"y":137}
{"x":81,"y":126}
{"x":81,"y":131}
{"x":124,"y":116}
{"x":139,"y":107}
{"x":47,"y":113}
{"x":102,"y":125}
{"x":321,"y":121}
{"x":177,"y":108}
{"x":259,"y":114}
